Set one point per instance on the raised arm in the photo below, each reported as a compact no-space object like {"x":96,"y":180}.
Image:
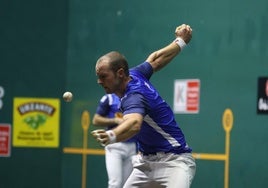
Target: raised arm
{"x":162,"y":57}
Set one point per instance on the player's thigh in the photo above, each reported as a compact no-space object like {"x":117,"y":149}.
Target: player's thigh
{"x":182,"y":173}
{"x":137,"y":179}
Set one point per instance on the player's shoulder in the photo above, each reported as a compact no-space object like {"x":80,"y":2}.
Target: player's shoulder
{"x":104,"y":98}
{"x":110,"y":98}
{"x":143,"y":70}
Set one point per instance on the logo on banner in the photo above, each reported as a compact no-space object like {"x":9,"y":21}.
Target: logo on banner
{"x":186,"y":96}
{"x":262,"y":103}
{"x":36,"y":122}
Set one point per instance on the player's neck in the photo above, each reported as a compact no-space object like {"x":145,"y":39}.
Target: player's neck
{"x":123,"y":88}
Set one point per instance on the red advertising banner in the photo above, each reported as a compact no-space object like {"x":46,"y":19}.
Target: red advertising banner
{"x":5,"y":132}
{"x":186,"y":96}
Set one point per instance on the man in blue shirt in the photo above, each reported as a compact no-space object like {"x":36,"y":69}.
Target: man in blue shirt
{"x":118,"y":156}
{"x":165,"y":159}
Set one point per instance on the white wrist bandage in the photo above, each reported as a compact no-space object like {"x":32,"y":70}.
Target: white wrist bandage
{"x":180,"y":42}
{"x":111,"y":136}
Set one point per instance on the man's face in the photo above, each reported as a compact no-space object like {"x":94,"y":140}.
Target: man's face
{"x":106,"y":77}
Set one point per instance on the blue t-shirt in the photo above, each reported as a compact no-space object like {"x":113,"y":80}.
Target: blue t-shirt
{"x":109,"y":106}
{"x":159,"y":131}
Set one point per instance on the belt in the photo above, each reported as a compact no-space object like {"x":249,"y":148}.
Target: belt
{"x":155,"y":153}
{"x":161,"y":153}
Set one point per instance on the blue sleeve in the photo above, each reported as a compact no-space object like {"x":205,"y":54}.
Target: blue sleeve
{"x":103,"y":107}
{"x":134,"y":103}
{"x":145,"y":69}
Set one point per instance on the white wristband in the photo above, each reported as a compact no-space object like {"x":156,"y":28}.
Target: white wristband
{"x":180,"y":42}
{"x":111,"y":136}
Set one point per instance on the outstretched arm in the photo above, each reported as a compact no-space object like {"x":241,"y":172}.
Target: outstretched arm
{"x":162,"y":57}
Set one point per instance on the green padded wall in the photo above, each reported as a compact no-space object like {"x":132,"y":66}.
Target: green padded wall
{"x":33,"y":37}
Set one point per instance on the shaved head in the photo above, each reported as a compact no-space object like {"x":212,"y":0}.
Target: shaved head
{"x":115,"y":60}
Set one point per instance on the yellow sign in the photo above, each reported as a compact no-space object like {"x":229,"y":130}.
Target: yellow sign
{"x":36,"y":122}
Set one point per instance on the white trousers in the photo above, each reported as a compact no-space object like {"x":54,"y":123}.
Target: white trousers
{"x":118,"y":158}
{"x":163,"y":170}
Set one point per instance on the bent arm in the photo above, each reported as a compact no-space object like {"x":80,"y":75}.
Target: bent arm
{"x":129,"y":127}
{"x":162,"y":57}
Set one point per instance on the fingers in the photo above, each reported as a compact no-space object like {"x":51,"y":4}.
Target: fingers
{"x":103,"y":142}
{"x":101,"y":136}
{"x":183,"y":27}
{"x":96,"y":133}
{"x":187,"y":27}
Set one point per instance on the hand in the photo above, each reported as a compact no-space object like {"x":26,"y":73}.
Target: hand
{"x":101,"y":136}
{"x":118,"y":118}
{"x":185,"y":32}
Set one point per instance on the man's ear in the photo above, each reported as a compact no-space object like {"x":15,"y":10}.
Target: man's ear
{"x":120,"y":72}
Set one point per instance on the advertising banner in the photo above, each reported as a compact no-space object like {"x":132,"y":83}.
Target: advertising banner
{"x":36,"y":122}
{"x":5,"y":132}
{"x":186,"y":96}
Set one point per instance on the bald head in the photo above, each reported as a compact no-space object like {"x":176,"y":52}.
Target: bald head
{"x":115,"y":61}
